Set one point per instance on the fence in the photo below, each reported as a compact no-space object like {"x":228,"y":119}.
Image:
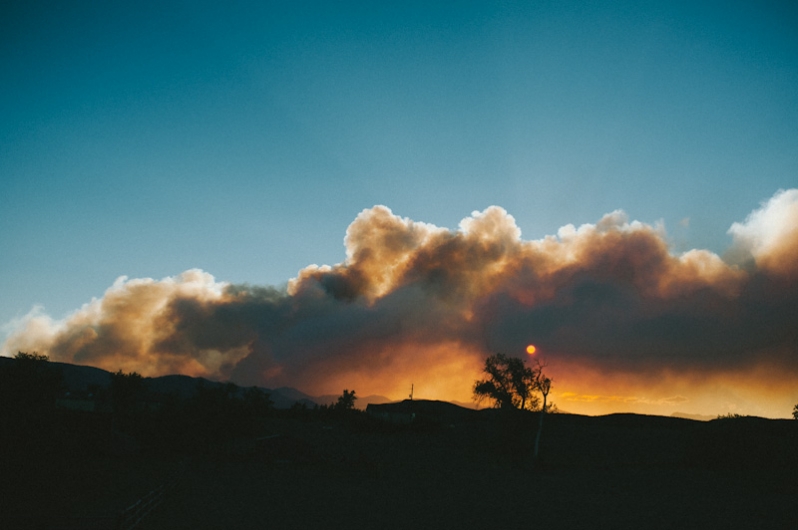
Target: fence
{"x":136,"y":512}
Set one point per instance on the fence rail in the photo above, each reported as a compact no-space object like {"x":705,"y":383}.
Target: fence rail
{"x":136,"y":512}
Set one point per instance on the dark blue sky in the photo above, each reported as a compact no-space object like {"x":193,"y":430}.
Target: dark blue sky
{"x":149,"y":138}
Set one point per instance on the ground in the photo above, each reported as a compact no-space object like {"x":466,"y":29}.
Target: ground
{"x":475,"y":471}
{"x":457,"y":476}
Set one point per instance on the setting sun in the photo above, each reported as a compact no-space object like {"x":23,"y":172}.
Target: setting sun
{"x":531,"y":349}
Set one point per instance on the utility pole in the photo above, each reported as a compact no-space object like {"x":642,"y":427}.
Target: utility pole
{"x":545,"y":386}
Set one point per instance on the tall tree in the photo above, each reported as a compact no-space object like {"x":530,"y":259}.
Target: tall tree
{"x":510,"y":383}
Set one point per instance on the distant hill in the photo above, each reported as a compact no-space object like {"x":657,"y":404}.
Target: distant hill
{"x":182,"y":386}
{"x":469,"y":405}
{"x":441,"y":411}
{"x":697,"y":417}
{"x":286,"y":397}
{"x":79,"y":378}
{"x":82,"y":377}
{"x":360,"y":402}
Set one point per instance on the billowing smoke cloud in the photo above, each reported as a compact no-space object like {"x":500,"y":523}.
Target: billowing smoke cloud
{"x":769,"y":235}
{"x":609,"y":304}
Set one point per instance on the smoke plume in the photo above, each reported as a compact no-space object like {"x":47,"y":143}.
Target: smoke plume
{"x":608,"y":304}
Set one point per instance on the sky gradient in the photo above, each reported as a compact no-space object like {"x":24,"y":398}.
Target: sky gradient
{"x":246,"y":141}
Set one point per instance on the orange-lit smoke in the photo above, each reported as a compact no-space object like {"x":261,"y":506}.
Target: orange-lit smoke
{"x":609,"y":306}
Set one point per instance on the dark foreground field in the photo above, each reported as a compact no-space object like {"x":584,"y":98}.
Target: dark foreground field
{"x":611,"y":472}
{"x":467,"y":470}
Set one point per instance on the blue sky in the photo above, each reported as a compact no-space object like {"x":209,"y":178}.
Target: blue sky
{"x":153,"y":137}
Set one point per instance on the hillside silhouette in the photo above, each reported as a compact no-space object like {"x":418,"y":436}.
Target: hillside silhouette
{"x":224,"y":456}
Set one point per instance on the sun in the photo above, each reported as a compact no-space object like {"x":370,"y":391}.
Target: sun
{"x":531,"y":349}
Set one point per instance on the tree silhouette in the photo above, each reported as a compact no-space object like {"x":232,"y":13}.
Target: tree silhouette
{"x":510,"y":383}
{"x":31,"y":383}
{"x":257,"y":402}
{"x":795,"y":413}
{"x":126,"y":389}
{"x":346,"y":401}
{"x":23,"y":357}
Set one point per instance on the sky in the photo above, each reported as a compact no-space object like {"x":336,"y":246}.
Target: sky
{"x":331,"y":195}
